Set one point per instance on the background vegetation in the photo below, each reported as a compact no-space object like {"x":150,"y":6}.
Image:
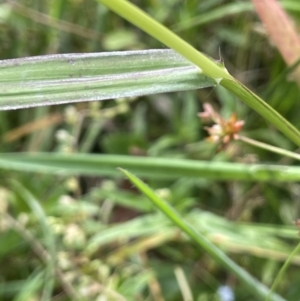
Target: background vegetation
{"x":96,"y":237}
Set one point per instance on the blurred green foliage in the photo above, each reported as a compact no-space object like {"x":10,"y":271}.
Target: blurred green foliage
{"x":96,"y":238}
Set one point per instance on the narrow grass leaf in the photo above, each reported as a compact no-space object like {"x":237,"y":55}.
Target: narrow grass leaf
{"x":282,"y":271}
{"x":142,"y":20}
{"x":67,"y":78}
{"x":150,"y":167}
{"x":254,"y":286}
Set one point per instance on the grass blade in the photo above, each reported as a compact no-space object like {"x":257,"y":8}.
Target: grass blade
{"x":66,"y":78}
{"x":139,"y":18}
{"x":282,"y":271}
{"x":150,"y":167}
{"x":253,"y":285}
{"x":142,"y":20}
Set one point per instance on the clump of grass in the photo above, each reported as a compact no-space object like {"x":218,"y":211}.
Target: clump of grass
{"x":71,"y":226}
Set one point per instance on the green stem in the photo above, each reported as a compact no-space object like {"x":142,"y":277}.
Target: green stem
{"x":270,"y":148}
{"x":139,"y":18}
{"x":282,"y":271}
{"x":142,"y":20}
{"x":260,"y":106}
{"x":253,"y":285}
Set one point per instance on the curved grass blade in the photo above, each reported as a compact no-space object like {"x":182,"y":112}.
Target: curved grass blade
{"x":254,"y":286}
{"x":154,"y":168}
{"x":66,"y":78}
{"x":142,"y":20}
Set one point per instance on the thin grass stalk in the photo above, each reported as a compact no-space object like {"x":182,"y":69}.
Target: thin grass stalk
{"x":282,"y":272}
{"x":142,"y":20}
{"x":271,"y":148}
{"x":254,"y":286}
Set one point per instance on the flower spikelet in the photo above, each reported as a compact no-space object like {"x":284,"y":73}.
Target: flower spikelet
{"x":222,"y":131}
